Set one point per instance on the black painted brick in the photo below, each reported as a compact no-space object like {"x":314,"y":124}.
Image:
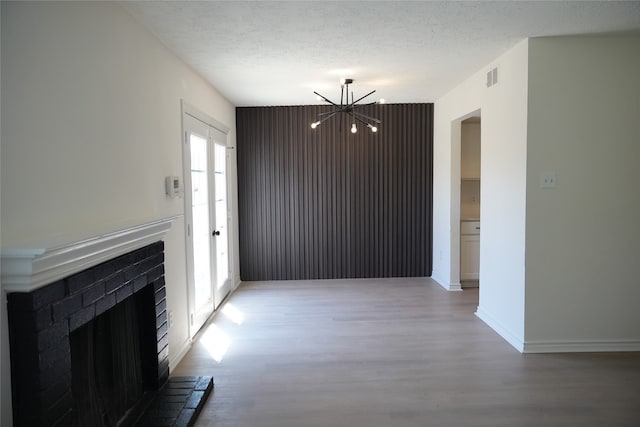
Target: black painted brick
{"x":49,"y":371}
{"x":56,"y":354}
{"x":181,"y":398}
{"x":153,"y":261}
{"x":163,"y":371}
{"x":204,"y":383}
{"x":163,"y":354}
{"x":48,"y":294}
{"x":114,"y":282}
{"x":174,"y":406}
{"x":161,"y":306}
{"x":105,"y":303}
{"x":81,"y":317}
{"x":162,"y":330}
{"x":161,"y":412}
{"x":161,"y":318}
{"x":177,"y":392}
{"x":155,"y":273}
{"x":186,"y":418}
{"x":124,"y":292}
{"x":104,"y":270}
{"x":92,"y":294}
{"x":163,"y":342}
{"x":194,"y":399}
{"x":63,"y":308}
{"x":79,"y":281}
{"x":50,"y":337}
{"x":158,"y":284}
{"x":183,"y":382}
{"x":159,"y":422}
{"x":133,"y":271}
{"x":160,"y":295}
{"x":139,"y":283}
{"x":154,"y":248}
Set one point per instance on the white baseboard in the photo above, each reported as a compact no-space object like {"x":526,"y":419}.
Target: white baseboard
{"x":487,"y":318}
{"x":173,"y":362}
{"x":580,"y":346}
{"x":455,"y":287}
{"x":441,"y":282}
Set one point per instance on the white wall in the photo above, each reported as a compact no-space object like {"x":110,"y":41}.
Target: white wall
{"x":503,"y":183}
{"x":90,"y":127}
{"x":583,"y":237}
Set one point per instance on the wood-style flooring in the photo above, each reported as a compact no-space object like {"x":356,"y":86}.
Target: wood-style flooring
{"x":392,"y":353}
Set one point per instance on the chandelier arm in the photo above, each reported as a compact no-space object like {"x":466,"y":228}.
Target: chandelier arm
{"x":326,"y":99}
{"x":364,"y":116}
{"x":361,"y":98}
{"x":324,"y":119}
{"x":337,"y":110}
{"x":368,"y":103}
{"x":360,"y":120}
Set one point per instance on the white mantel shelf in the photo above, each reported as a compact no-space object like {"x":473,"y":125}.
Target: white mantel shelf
{"x":27,"y":269}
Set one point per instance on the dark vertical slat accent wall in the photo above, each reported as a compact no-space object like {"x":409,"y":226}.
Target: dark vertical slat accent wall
{"x":326,"y":203}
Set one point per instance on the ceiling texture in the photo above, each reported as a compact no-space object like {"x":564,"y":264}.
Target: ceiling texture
{"x":278,"y":53}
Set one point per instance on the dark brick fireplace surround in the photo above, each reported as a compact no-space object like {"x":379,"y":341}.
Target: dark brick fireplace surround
{"x":41,"y":322}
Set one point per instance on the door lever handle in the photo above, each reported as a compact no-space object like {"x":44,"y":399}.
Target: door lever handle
{"x":215,"y":233}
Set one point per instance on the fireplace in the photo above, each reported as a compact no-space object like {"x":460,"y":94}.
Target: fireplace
{"x":57,"y":336}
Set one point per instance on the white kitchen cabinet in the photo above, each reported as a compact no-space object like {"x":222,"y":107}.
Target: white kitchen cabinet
{"x":470,"y":250}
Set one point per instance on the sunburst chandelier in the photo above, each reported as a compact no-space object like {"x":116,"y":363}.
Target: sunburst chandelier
{"x":348,"y":108}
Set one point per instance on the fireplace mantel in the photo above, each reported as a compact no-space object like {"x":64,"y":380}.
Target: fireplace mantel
{"x":27,"y":269}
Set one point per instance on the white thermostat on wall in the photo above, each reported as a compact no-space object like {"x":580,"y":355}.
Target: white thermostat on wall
{"x":172,"y":186}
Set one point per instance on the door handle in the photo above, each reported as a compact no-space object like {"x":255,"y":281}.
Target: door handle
{"x":215,"y":233}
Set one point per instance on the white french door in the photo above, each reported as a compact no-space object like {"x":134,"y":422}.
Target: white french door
{"x":207,"y":218}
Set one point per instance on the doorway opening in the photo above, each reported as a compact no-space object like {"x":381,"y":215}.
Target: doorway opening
{"x":470,"y":172}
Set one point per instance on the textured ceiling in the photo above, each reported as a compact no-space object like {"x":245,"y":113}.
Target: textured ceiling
{"x":278,"y":53}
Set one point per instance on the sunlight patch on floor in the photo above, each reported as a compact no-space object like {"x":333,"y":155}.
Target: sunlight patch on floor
{"x":235,"y":315}
{"x":216,"y":342}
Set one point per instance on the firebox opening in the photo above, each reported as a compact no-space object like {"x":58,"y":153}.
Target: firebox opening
{"x":108,"y":358}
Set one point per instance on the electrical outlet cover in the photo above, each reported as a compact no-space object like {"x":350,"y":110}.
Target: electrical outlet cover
{"x":548,"y":180}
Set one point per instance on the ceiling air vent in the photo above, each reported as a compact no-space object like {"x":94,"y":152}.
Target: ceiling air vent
{"x":492,"y":77}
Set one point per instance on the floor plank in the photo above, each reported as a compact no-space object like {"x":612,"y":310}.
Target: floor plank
{"x":393,"y":352}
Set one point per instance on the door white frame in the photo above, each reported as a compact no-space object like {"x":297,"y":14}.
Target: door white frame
{"x":456,"y":146}
{"x":193,"y":115}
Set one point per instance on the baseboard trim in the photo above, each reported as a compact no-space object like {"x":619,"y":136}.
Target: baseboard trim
{"x":581,"y":346}
{"x":450,"y":287}
{"x":487,"y":318}
{"x":455,"y":287}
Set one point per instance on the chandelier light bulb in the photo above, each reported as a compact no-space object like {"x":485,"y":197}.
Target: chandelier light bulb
{"x":354,"y":129}
{"x":314,"y":125}
{"x":373,"y":129}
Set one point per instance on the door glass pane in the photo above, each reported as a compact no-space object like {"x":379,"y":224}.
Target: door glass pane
{"x":222,"y":240}
{"x":200,"y":232}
